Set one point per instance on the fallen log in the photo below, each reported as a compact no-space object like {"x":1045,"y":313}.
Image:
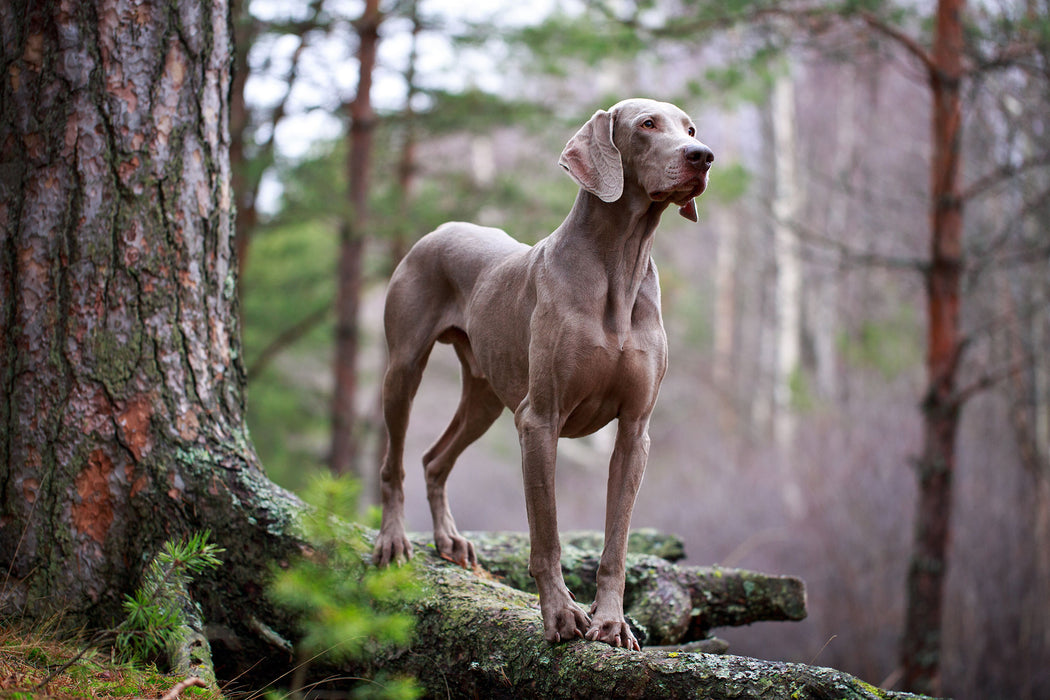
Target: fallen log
{"x":675,"y":604}
{"x":478,"y":637}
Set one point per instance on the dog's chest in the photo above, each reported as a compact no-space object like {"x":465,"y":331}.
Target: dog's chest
{"x":599,"y":380}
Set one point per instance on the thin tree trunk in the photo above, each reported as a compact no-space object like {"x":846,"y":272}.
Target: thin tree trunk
{"x":824,"y":289}
{"x":247,"y":174}
{"x":406,"y":181}
{"x":406,"y":165}
{"x":789,"y":265}
{"x":351,"y":249}
{"x":921,"y":645}
{"x":726,"y":222}
{"x":788,"y":298}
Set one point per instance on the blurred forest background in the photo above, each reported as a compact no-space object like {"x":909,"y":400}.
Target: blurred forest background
{"x":791,"y":419}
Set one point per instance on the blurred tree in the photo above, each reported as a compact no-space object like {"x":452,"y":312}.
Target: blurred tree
{"x":253,"y":128}
{"x":787,"y":201}
{"x":352,"y":230}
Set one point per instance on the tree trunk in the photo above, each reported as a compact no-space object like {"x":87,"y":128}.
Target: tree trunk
{"x":402,"y":233}
{"x":921,"y":645}
{"x":788,"y":298}
{"x":245,"y":186}
{"x":121,"y":423}
{"x":725,"y":220}
{"x":351,"y":248}
{"x":823,"y":287}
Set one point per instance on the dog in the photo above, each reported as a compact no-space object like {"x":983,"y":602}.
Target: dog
{"x":567,"y":334}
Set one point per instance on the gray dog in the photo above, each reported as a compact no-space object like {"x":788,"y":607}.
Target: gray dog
{"x":566,"y":333}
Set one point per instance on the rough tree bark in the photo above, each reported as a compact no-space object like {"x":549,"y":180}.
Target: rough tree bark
{"x":121,"y":419}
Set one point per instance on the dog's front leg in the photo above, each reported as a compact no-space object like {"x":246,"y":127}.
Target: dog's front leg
{"x":563,"y":619}
{"x":625,"y":476}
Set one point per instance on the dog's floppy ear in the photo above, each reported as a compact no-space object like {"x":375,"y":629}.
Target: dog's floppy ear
{"x":593,"y":160}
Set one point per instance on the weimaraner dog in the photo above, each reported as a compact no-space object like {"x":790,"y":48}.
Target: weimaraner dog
{"x":566,"y":333}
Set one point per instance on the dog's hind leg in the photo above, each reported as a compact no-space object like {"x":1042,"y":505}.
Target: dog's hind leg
{"x":408,"y":345}
{"x":478,"y":409}
{"x":399,"y":388}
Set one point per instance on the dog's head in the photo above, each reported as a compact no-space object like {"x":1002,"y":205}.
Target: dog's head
{"x":651,"y":143}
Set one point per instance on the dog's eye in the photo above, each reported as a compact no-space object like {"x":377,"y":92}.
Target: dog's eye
{"x":692,"y":131}
{"x":649,"y":124}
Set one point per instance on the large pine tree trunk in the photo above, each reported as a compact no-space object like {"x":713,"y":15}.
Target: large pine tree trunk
{"x":121,"y":423}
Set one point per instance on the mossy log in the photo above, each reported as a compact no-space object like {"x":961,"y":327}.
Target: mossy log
{"x":675,"y":604}
{"x":478,"y":637}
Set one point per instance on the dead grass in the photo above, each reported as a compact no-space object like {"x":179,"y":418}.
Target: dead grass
{"x":28,"y":654}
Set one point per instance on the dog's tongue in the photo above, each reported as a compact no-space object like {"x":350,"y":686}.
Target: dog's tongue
{"x":688,"y":210}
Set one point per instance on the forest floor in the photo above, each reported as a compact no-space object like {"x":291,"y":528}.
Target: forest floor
{"x":28,"y":656}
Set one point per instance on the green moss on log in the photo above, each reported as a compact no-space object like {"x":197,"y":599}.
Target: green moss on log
{"x":675,"y":604}
{"x":477,"y":637}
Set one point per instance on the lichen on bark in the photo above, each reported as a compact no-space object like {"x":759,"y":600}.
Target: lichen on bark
{"x":481,"y":638}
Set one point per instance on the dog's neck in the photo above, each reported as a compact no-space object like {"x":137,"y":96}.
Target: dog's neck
{"x":615,"y":238}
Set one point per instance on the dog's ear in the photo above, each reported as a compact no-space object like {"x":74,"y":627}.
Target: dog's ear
{"x":688,"y":210}
{"x":593,"y":160}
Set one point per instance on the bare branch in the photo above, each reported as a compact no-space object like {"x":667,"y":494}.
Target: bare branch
{"x":987,"y":381}
{"x":286,"y":338}
{"x":177,"y":690}
{"x":849,"y":255}
{"x":905,"y":41}
{"x":1009,"y":56}
{"x":1003,"y":173}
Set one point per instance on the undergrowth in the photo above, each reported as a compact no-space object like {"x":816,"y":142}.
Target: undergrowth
{"x":28,"y":655}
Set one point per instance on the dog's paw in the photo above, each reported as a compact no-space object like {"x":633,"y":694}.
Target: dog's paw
{"x":391,"y":548}
{"x":456,"y":548}
{"x":615,"y":632}
{"x":568,"y":621}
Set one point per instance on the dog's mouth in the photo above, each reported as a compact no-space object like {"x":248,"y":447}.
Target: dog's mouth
{"x":684,"y":192}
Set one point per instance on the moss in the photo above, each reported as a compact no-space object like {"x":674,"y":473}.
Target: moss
{"x":118,"y":356}
{"x":30,"y":654}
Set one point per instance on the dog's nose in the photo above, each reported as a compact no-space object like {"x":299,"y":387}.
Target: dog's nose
{"x":701,"y":155}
